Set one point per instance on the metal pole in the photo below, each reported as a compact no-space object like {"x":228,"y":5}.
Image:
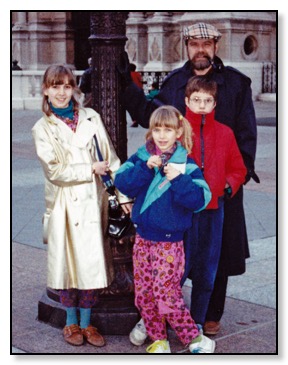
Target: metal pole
{"x":107,"y":39}
{"x":115,"y":312}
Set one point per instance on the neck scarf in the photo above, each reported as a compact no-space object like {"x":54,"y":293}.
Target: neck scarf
{"x":67,"y":115}
{"x":154,"y":150}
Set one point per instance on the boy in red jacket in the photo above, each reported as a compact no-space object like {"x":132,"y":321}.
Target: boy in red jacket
{"x":216,"y":152}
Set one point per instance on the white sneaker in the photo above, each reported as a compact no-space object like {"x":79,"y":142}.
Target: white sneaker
{"x":202,"y":345}
{"x":138,"y":335}
{"x":159,"y":347}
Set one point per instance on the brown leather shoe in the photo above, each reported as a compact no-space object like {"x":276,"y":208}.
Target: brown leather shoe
{"x":93,"y":336}
{"x":211,"y":328}
{"x":72,"y":334}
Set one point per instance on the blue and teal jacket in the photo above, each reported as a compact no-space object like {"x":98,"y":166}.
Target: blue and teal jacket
{"x":162,"y":209}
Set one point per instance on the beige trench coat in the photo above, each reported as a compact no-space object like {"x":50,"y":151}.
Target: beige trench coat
{"x":75,"y":220}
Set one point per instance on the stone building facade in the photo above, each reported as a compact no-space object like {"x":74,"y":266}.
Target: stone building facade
{"x":154,"y":41}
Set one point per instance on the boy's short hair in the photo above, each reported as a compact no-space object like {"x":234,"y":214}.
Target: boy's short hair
{"x":201,"y":84}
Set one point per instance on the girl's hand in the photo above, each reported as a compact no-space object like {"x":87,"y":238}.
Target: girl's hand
{"x":171,"y":172}
{"x":154,"y":161}
{"x":100,"y":168}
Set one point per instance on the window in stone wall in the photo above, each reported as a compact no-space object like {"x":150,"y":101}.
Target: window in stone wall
{"x":250,"y":46}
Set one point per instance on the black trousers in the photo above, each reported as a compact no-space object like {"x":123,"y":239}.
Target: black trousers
{"x":217,"y":299}
{"x":232,"y":259}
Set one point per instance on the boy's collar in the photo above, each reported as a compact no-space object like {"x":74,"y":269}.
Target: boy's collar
{"x":190,"y":115}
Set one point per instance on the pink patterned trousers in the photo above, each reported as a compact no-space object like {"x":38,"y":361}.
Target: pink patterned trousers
{"x":158,"y":269}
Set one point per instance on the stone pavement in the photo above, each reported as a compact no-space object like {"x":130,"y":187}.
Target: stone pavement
{"x":249,"y":324}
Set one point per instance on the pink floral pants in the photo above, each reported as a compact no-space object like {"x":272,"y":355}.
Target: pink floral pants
{"x":158,"y":269}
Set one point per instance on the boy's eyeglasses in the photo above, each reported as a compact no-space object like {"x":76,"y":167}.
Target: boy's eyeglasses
{"x":199,"y":101}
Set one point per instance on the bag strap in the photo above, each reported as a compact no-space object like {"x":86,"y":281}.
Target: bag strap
{"x":105,"y":178}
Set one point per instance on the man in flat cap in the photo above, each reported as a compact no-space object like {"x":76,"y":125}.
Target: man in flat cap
{"x":235,"y":109}
{"x":202,"y":31}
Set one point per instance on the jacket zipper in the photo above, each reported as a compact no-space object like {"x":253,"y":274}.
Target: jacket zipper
{"x":202,"y":142}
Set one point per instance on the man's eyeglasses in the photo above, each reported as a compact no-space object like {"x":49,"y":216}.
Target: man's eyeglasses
{"x":198,"y":101}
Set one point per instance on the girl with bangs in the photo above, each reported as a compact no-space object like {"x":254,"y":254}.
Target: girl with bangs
{"x":76,"y":217}
{"x":167,"y":187}
{"x":55,"y":76}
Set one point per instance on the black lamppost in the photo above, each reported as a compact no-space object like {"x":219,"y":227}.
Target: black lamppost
{"x":107,"y":39}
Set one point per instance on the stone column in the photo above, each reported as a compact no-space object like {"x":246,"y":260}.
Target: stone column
{"x":136,"y":45}
{"x":164,"y":43}
{"x":20,"y":37}
{"x":40,"y":39}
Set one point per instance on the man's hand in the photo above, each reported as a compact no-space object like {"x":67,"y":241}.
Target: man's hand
{"x":124,"y":70}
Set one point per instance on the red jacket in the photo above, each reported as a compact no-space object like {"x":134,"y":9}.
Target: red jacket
{"x":216,"y":152}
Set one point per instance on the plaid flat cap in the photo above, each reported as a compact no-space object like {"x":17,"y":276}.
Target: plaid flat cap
{"x":201,"y":31}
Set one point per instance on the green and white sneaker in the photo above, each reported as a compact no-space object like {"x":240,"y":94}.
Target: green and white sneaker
{"x":202,"y":345}
{"x":159,"y":347}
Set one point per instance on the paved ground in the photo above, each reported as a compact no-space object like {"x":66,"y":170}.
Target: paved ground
{"x":249,"y":324}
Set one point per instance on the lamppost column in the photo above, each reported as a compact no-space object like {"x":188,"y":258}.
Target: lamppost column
{"x":107,"y":39}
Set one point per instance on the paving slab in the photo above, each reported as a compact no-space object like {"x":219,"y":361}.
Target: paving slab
{"x":242,"y":322}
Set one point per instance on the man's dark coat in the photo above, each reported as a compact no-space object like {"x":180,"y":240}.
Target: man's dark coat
{"x":235,"y":109}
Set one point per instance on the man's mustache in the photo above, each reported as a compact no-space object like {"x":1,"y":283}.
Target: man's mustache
{"x":203,"y":55}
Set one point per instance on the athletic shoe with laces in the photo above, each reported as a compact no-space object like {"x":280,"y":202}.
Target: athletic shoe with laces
{"x":159,"y":347}
{"x":202,"y":345}
{"x":138,"y":335}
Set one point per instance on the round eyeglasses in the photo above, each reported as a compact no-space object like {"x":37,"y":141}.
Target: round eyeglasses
{"x":199,"y":101}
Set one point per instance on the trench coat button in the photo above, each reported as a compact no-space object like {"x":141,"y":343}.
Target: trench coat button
{"x":76,"y":224}
{"x":75,"y":199}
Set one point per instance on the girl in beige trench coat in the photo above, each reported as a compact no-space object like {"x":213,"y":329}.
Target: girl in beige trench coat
{"x":75,"y":221}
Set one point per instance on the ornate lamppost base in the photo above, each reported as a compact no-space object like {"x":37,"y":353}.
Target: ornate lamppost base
{"x":115,"y":312}
{"x":112,"y":316}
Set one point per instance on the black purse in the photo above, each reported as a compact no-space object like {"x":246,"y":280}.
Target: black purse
{"x":119,"y":223}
